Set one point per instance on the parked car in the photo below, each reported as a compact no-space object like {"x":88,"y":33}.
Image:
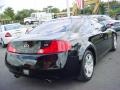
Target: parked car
{"x":108,"y":21}
{"x":114,"y":25}
{"x":104,"y":19}
{"x":101,"y":18}
{"x":10,"y":31}
{"x":61,"y":48}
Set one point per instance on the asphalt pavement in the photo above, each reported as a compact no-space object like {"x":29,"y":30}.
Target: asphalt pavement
{"x":106,"y":77}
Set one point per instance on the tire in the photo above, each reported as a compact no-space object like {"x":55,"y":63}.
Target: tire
{"x":114,"y":43}
{"x":27,"y":23}
{"x":87,"y":67}
{"x":2,"y":43}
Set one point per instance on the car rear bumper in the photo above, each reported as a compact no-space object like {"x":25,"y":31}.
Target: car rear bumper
{"x":58,"y":65}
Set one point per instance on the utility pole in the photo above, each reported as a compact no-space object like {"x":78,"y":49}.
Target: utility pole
{"x":68,"y":8}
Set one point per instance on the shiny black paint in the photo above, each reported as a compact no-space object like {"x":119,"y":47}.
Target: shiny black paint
{"x":98,"y":42}
{"x":69,"y":67}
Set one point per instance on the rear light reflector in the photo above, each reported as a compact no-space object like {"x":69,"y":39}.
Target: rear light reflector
{"x":56,"y":46}
{"x":10,"y":48}
{"x":8,"y":34}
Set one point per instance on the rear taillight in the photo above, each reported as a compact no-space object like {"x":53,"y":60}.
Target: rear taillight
{"x":56,"y":46}
{"x":10,"y":48}
{"x":8,"y":34}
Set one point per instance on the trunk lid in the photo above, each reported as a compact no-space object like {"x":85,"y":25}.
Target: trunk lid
{"x":29,"y":47}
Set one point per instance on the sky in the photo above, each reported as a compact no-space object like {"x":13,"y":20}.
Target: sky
{"x":35,"y":4}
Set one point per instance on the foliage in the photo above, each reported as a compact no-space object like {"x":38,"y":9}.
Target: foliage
{"x":55,"y":10}
{"x":65,"y":10}
{"x":9,"y":13}
{"x":114,"y":12}
{"x":4,"y":17}
{"x":102,"y":8}
{"x":51,"y":9}
{"x":87,"y":10}
{"x":23,"y":14}
{"x":114,"y":8}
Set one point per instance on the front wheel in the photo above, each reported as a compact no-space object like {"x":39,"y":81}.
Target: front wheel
{"x":114,"y":42}
{"x":27,"y":23}
{"x":87,"y":67}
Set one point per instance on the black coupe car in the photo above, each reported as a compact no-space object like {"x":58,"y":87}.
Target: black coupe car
{"x":62,"y":47}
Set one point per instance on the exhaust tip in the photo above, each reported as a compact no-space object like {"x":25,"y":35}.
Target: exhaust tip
{"x":17,"y":76}
{"x":48,"y":80}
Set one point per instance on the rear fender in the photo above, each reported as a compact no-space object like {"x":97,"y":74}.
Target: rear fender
{"x":83,"y":48}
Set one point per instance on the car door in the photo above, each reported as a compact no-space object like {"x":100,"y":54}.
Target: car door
{"x":99,"y":39}
{"x":108,"y":39}
{"x":98,"y":42}
{"x":107,"y":36}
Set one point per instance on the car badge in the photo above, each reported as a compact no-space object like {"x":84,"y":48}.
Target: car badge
{"x":26,"y":46}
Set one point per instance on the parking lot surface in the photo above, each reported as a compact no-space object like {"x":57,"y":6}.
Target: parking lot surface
{"x":106,"y":77}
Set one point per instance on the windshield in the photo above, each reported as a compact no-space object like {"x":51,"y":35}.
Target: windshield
{"x":12,"y":27}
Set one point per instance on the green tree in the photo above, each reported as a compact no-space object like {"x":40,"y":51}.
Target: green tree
{"x":4,"y":17}
{"x":9,"y":12}
{"x":114,"y":12}
{"x":51,"y":9}
{"x":23,"y":14}
{"x":102,"y":8}
{"x":65,"y":10}
{"x":55,"y":10}
{"x":114,"y":7}
{"x":87,"y":10}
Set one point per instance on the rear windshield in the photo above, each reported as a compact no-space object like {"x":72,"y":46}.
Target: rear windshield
{"x":50,"y":27}
{"x":12,"y":27}
{"x":62,"y":26}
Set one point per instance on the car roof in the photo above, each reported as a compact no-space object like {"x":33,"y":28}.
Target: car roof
{"x":61,"y":24}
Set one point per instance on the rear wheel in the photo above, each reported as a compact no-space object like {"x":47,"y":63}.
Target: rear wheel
{"x":114,"y":42}
{"x":87,"y":67}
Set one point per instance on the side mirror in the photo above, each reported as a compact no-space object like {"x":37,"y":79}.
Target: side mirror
{"x":108,"y":26}
{"x":104,"y":28}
